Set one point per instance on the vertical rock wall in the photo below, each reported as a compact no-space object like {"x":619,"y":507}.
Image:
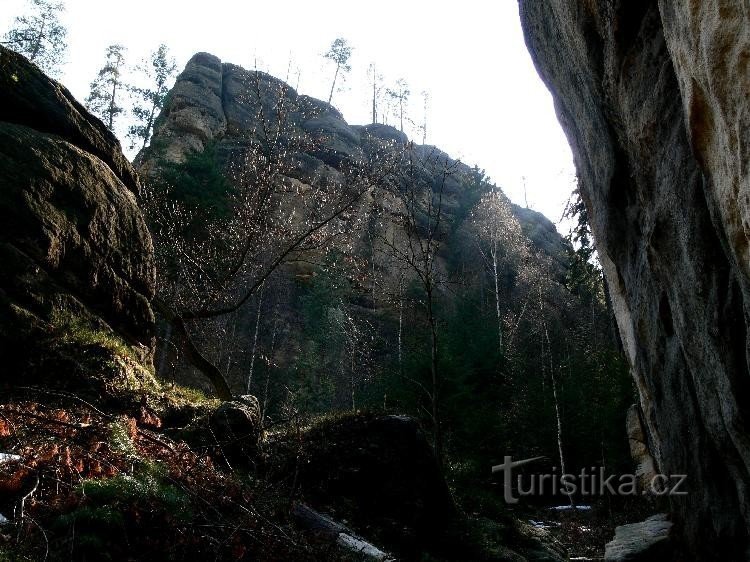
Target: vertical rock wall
{"x":653,"y":97}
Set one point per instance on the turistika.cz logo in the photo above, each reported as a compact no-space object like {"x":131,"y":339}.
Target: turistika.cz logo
{"x":589,"y":482}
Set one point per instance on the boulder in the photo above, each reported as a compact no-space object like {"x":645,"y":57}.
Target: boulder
{"x":653,"y":98}
{"x":73,"y":242}
{"x":647,"y":541}
{"x":235,"y":426}
{"x":379,"y":474}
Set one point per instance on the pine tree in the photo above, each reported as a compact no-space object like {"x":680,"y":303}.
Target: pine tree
{"x":339,"y":53}
{"x":39,"y":36}
{"x":104,"y":98}
{"x":159,"y":69}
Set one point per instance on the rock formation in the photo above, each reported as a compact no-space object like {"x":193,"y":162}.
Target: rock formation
{"x":231,"y":111}
{"x":653,"y":98}
{"x":73,"y":242}
{"x":647,"y":541}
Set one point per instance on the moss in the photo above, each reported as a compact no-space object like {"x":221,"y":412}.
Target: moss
{"x":73,"y":329}
{"x":147,"y":486}
{"x":120,"y":440}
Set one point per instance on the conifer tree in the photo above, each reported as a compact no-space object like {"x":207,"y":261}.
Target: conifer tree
{"x":159,"y":69}
{"x":106,"y":89}
{"x":39,"y":36}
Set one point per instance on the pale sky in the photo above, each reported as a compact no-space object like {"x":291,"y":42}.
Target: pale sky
{"x":487,"y":103}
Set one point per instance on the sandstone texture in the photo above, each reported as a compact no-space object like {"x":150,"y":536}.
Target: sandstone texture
{"x":647,"y":541}
{"x":639,"y":450}
{"x":653,"y":97}
{"x":73,"y":243}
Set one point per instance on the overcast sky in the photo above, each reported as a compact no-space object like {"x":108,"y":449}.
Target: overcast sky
{"x":487,"y":104}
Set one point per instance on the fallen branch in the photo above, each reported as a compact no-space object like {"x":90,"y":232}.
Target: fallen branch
{"x":311,"y":520}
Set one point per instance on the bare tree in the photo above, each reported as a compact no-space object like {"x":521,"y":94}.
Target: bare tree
{"x":269,"y":219}
{"x":419,"y":185}
{"x":499,"y":238}
{"x":400,"y":95}
{"x":377,"y":90}
{"x":425,"y":108}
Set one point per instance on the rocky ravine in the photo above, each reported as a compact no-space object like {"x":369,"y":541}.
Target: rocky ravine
{"x":653,"y":98}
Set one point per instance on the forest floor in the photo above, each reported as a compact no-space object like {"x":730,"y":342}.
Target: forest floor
{"x":584,"y":531}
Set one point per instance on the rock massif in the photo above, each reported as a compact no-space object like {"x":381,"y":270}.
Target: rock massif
{"x":222,"y":104}
{"x":653,"y":98}
{"x":73,"y":242}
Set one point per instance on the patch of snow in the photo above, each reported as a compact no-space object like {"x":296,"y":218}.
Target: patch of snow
{"x":569,"y":507}
{"x":7,"y":457}
{"x":4,"y":520}
{"x":362,"y":547}
{"x":543,"y":524}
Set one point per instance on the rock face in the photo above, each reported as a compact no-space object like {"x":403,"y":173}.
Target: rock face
{"x":639,"y":450}
{"x":73,"y":242}
{"x":235,"y":115}
{"x":647,"y":541}
{"x":653,"y":98}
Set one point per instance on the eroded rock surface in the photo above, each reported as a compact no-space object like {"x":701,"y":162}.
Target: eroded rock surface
{"x":653,"y":98}
{"x":73,"y":243}
{"x":647,"y":541}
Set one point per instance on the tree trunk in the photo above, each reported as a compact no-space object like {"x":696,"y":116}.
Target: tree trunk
{"x":112,"y":105}
{"x":401,"y":112}
{"x":400,"y":322}
{"x":437,"y":432}
{"x":255,"y":339}
{"x":497,"y":298}
{"x":374,"y":95}
{"x":553,"y":381}
{"x":268,"y":373}
{"x":335,"y":77}
{"x":192,"y":353}
{"x":149,"y":125}
{"x":38,"y":43}
{"x":163,"y":358}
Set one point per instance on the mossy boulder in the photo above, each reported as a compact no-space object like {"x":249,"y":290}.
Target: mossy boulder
{"x":73,"y":241}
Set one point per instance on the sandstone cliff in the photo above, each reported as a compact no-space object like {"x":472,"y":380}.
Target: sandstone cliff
{"x":237,"y":114}
{"x":653,"y":98}
{"x":73,"y":242}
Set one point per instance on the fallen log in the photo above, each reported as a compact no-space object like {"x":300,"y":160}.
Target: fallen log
{"x":323,"y":525}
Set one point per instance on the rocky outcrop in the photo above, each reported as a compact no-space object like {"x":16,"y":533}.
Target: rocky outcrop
{"x":653,"y":98}
{"x":243,"y":119}
{"x":73,"y":243}
{"x":647,"y":541}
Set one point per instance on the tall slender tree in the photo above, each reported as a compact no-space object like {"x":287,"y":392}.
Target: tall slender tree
{"x":423,"y":229}
{"x":107,"y":88}
{"x":377,"y":89}
{"x":158,"y":69}
{"x":339,"y":53}
{"x":400,"y":95}
{"x":499,"y":237}
{"x":39,"y":36}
